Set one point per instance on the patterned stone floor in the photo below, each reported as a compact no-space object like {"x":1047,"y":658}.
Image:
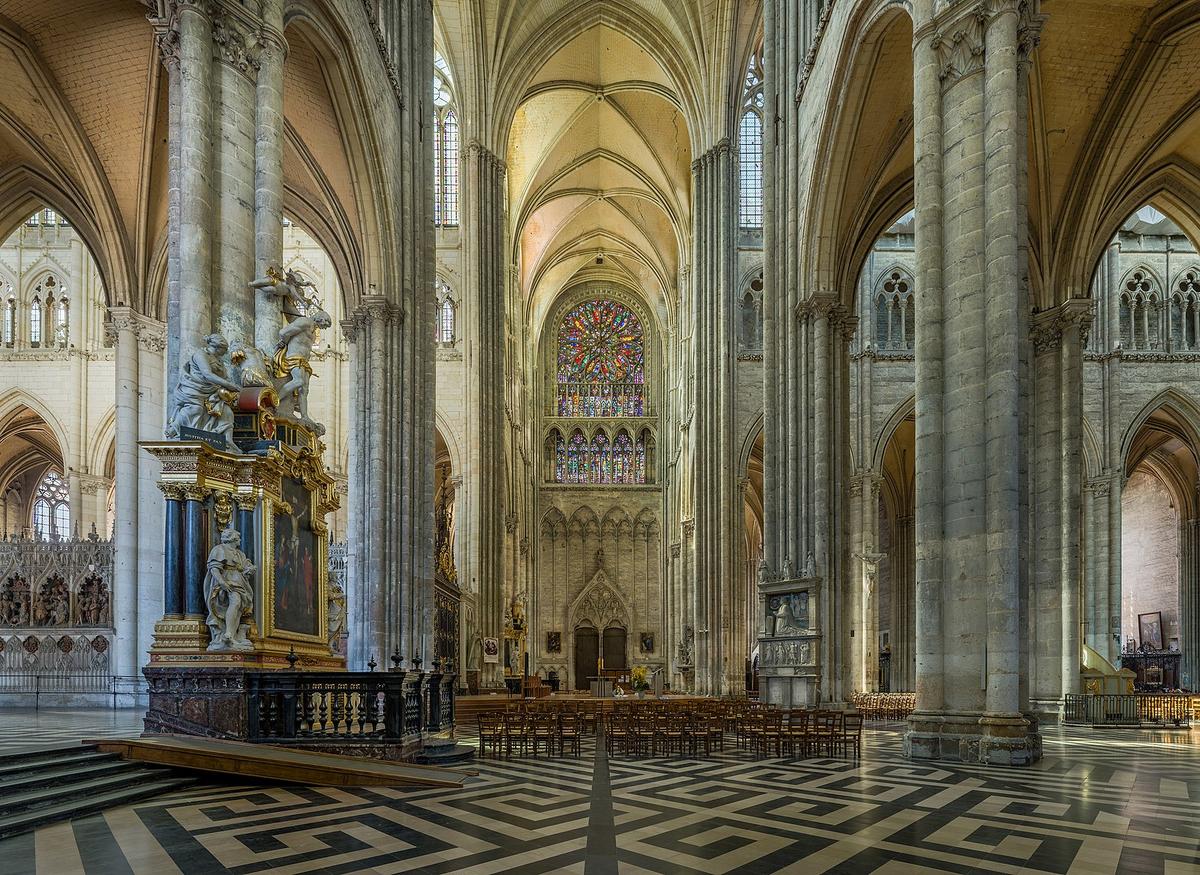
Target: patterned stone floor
{"x":1100,"y":802}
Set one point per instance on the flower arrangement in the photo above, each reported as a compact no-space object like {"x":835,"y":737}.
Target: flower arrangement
{"x":639,"y":678}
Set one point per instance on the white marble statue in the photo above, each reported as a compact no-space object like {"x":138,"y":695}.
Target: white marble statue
{"x":785,"y":622}
{"x":205,"y":395}
{"x":228,"y":594}
{"x":291,"y":360}
{"x":810,"y":566}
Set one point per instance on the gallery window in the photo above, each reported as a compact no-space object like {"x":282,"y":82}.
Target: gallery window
{"x":51,"y":508}
{"x":445,"y":147}
{"x":750,"y":148}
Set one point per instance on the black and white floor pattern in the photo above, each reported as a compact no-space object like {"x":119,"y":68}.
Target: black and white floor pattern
{"x":1100,"y":802}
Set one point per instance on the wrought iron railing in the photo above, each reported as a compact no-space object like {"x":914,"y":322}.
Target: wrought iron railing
{"x":286,"y":707}
{"x":1128,"y":710}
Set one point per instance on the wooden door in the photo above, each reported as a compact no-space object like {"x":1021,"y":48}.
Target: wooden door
{"x":587,"y":652}
{"x":614,"y":648}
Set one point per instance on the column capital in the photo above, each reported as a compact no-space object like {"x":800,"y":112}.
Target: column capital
{"x":1048,"y":327}
{"x":823,"y":303}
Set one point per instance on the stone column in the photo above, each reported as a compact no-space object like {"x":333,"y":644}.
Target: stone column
{"x":152,"y":344}
{"x":173,"y":556}
{"x":234,"y":70}
{"x":1189,"y":599}
{"x":485,"y":315}
{"x":268,"y":169}
{"x":1077,"y":317}
{"x":903,"y":599}
{"x":372,"y":601}
{"x":969,"y":118}
{"x":196,"y":204}
{"x":715,"y":472}
{"x":125,"y":326}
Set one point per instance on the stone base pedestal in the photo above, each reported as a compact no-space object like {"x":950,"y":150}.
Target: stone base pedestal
{"x":207,"y":701}
{"x":1047,"y":711}
{"x":989,"y":739}
{"x":788,"y":690}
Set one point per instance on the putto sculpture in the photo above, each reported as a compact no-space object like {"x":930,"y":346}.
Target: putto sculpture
{"x":205,"y":394}
{"x":229,"y":594}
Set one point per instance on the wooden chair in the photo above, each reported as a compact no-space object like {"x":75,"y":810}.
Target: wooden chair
{"x":569,"y":733}
{"x":617,"y":736}
{"x":491,"y":732}
{"x":796,"y":732}
{"x":516,"y":732}
{"x":544,"y":732}
{"x":852,"y":725}
{"x":713,"y":727}
{"x":644,"y":733}
{"x":824,"y":728}
{"x":772,"y":732}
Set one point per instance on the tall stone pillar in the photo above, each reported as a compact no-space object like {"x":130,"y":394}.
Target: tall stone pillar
{"x":151,"y":509}
{"x":1057,"y":504}
{"x":268,"y":168}
{"x":195,"y":178}
{"x":1077,"y":318}
{"x":235,"y":61}
{"x":125,"y":608}
{"x":390,"y":476}
{"x":483,"y":221}
{"x":1189,"y":598}
{"x":969,"y":119}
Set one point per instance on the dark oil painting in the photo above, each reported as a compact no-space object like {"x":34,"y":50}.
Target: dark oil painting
{"x":296,"y":562}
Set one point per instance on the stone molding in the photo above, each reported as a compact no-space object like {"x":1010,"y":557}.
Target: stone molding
{"x":392,"y":73}
{"x":810,"y":58}
{"x":476,"y":150}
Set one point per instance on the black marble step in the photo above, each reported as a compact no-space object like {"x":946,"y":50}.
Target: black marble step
{"x":18,"y":763}
{"x":18,"y":822}
{"x":77,"y":785}
{"x":55,"y":773}
{"x":444,"y":752}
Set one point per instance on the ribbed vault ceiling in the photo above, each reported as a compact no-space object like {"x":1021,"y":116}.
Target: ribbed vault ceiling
{"x":599,"y":168}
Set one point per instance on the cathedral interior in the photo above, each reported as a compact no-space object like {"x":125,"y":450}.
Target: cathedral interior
{"x":382,"y":379}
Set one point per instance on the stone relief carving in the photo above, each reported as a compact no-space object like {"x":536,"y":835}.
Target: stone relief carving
{"x":92,"y":604}
{"x":229,"y":594}
{"x":39,"y":581}
{"x":52,"y":603}
{"x":687,"y":648}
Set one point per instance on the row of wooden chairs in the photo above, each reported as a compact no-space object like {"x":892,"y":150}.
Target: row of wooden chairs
{"x":646,"y":732}
{"x":884,"y":706}
{"x":528,"y":733}
{"x":801,"y":732}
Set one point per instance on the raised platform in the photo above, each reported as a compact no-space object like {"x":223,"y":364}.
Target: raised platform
{"x":237,"y":758}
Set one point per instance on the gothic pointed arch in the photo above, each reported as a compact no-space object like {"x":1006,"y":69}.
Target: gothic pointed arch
{"x":601,"y":605}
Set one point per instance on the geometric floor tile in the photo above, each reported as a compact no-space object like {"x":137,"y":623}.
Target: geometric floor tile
{"x":1099,"y":802}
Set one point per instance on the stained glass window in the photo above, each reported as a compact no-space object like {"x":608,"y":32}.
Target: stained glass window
{"x":51,"y":510}
{"x":750,"y":148}
{"x":445,"y":146}
{"x":35,"y":322}
{"x":445,"y":313}
{"x":10,"y":320}
{"x":600,"y":461}
{"x":601,"y":366}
